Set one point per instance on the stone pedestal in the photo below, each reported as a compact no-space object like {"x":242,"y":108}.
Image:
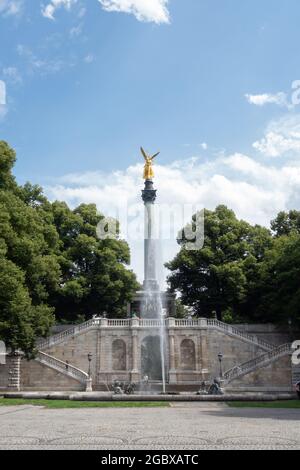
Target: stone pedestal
{"x":89,"y":386}
{"x":172,"y":365}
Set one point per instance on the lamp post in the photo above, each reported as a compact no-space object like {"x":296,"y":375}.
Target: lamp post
{"x":90,"y":357}
{"x":220,"y":357}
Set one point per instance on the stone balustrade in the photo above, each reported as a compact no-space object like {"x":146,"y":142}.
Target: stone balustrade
{"x":257,"y":362}
{"x":169,"y":323}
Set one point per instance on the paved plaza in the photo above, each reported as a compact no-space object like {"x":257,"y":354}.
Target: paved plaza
{"x":190,"y":426}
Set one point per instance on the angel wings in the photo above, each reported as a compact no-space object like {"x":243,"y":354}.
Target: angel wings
{"x":148,"y":169}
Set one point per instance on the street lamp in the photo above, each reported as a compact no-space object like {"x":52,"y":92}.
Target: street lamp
{"x":90,"y":357}
{"x":220,"y":357}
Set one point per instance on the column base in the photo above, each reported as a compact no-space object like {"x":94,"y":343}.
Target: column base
{"x":89,"y":386}
{"x":135,"y":376}
{"x":172,"y":376}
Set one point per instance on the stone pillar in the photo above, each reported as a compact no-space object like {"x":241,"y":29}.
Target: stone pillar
{"x":171,"y":334}
{"x":89,"y":385}
{"x":15,"y":372}
{"x":103,"y":377}
{"x":204,"y":353}
{"x":149,"y":244}
{"x":135,"y":373}
{"x":149,"y":197}
{"x":98,"y":356}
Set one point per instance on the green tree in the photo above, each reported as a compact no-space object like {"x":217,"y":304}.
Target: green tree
{"x":95,"y":276}
{"x":7,"y":161}
{"x":53,"y":262}
{"x":279,"y":299}
{"x":29,"y":263}
{"x":286,"y":222}
{"x":216,"y":277}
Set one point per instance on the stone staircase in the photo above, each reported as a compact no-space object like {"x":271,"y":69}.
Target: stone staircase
{"x":272,"y":353}
{"x":64,"y":368}
{"x":235,"y":332}
{"x":65,"y":335}
{"x":200,"y":323}
{"x":256,"y":363}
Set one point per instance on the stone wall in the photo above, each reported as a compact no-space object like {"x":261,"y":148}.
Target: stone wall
{"x":36,"y":376}
{"x":4,"y":374}
{"x":191,"y":352}
{"x":274,"y":377}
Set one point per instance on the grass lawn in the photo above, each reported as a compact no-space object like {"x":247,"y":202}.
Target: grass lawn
{"x":54,"y":404}
{"x":265,"y":404}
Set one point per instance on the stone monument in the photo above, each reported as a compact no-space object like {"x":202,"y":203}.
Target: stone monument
{"x":150,"y":284}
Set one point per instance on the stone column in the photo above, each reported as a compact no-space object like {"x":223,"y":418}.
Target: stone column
{"x":98,"y":356}
{"x":103,"y":377}
{"x":15,"y":372}
{"x":149,"y":197}
{"x":171,"y":334}
{"x":135,"y":373}
{"x":204,"y":353}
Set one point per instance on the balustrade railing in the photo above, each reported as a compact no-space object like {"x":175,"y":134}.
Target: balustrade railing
{"x":119,"y":323}
{"x":259,"y":361}
{"x":62,"y":366}
{"x":231,"y":330}
{"x":153,"y":323}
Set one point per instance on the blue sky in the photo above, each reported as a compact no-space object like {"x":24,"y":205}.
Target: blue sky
{"x":207,"y":82}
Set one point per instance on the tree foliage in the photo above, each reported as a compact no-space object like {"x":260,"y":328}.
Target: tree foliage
{"x":217,"y":279}
{"x":53,"y":267}
{"x":95,"y":278}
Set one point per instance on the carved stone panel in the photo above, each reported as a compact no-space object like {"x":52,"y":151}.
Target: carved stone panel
{"x":119,"y":355}
{"x":187,"y":355}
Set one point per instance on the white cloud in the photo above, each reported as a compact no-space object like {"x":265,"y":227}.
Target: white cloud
{"x":155,"y":11}
{"x":279,"y":99}
{"x":281,"y":138}
{"x":11,"y":7}
{"x":144,"y":10}
{"x":256,"y":192}
{"x":49,"y":10}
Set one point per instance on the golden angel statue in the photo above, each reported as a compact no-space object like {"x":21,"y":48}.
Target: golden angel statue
{"x":148,"y":169}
